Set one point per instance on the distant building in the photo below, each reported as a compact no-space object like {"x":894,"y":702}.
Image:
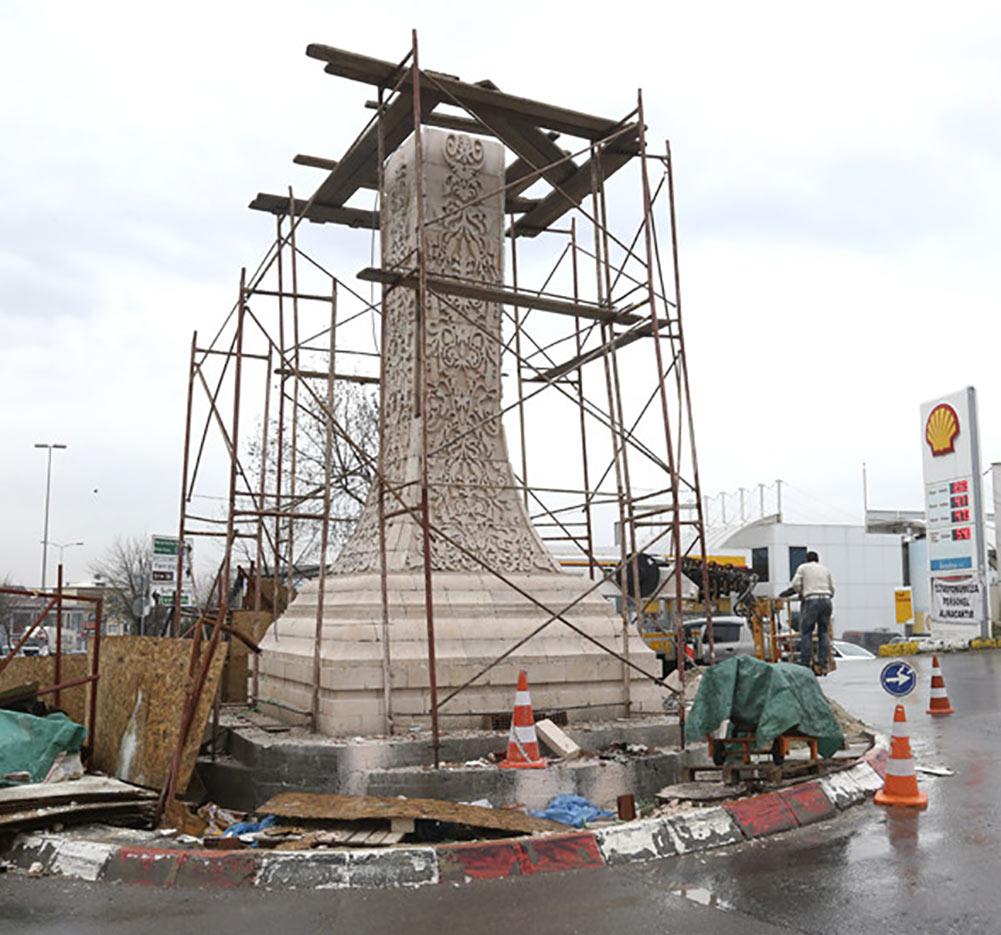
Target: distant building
{"x":866,"y":566}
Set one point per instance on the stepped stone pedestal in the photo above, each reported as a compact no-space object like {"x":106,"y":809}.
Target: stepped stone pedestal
{"x":476,"y":512}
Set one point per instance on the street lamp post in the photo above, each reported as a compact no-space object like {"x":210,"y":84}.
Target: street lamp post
{"x":62,"y":548}
{"x":48,"y":490}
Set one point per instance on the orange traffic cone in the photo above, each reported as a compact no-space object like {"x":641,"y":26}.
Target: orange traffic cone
{"x":900,"y":787}
{"x":522,"y":744}
{"x":939,"y":703}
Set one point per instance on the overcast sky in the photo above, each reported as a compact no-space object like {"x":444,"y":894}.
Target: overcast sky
{"x":838,"y":173}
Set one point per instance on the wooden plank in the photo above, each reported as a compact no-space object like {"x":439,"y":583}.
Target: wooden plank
{"x":317,"y":213}
{"x":140,"y":700}
{"x":500,"y":294}
{"x":620,"y":340}
{"x":533,"y":146}
{"x":74,"y":811}
{"x":84,"y":789}
{"x":574,"y":190}
{"x":309,"y":805}
{"x":357,"y":67}
{"x":315,"y":162}
{"x":360,"y":160}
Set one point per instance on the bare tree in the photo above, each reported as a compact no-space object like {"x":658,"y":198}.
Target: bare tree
{"x":356,"y":410}
{"x":7,"y":604}
{"x":124,"y":570}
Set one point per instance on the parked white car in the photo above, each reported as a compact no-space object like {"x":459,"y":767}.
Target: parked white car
{"x":849,"y":652}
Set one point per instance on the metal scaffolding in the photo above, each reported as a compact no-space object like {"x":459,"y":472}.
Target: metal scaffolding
{"x":604,"y":309}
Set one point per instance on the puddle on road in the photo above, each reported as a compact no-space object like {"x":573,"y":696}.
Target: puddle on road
{"x":700,"y":895}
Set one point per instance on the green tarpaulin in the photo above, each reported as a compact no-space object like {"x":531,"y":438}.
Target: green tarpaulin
{"x":769,"y":698}
{"x":30,"y":744}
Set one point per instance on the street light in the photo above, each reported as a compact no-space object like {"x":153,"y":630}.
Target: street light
{"x":48,"y":489}
{"x":63,"y":547}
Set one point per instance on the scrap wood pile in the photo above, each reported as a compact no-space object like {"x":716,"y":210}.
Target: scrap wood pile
{"x":137,"y":738}
{"x":300,"y":821}
{"x":83,"y":800}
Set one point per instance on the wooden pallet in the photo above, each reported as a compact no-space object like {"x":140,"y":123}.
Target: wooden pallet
{"x":765,"y":772}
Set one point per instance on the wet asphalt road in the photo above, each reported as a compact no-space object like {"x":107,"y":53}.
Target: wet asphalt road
{"x":870,"y":870}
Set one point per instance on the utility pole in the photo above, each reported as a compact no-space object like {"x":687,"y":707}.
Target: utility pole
{"x":48,"y":490}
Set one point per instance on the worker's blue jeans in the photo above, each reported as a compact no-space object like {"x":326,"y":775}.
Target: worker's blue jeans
{"x":816,"y":612}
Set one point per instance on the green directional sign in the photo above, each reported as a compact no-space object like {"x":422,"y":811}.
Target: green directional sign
{"x":165,"y":545}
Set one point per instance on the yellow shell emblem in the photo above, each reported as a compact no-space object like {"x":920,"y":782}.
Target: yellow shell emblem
{"x":941,"y":429}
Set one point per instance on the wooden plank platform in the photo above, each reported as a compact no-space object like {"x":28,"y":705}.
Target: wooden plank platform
{"x":763,"y":771}
{"x":307,"y":805}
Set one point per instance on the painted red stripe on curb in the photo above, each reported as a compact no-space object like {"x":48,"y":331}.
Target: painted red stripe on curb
{"x":808,"y":803}
{"x":488,"y":860}
{"x":877,"y":759}
{"x":143,"y":865}
{"x":165,"y":866}
{"x":561,"y":852}
{"x":482,"y":861}
{"x":215,"y":870}
{"x":761,"y":815}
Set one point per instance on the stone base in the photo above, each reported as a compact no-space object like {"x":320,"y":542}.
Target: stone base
{"x":476,"y":618}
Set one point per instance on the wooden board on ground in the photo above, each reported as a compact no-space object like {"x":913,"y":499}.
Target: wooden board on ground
{"x":308,"y":805}
{"x":136,"y":810}
{"x":84,"y":789}
{"x":140,"y":700}
{"x":42,"y":669}
{"x":372,"y":832}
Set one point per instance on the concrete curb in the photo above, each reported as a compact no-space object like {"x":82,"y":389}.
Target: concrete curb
{"x":645,"y":839}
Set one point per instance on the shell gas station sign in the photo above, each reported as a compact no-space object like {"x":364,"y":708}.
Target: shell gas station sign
{"x":954,"y":512}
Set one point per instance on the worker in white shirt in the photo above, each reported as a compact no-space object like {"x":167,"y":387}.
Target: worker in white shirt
{"x":814,"y":584}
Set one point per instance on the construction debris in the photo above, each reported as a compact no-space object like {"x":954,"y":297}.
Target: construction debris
{"x":91,"y":798}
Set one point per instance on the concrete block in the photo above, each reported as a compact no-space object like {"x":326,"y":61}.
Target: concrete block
{"x":762,"y":814}
{"x":842,"y":789}
{"x":305,"y":870}
{"x":403,"y":866}
{"x":556,"y":739}
{"x":145,"y":865}
{"x":808,"y":802}
{"x":638,"y":840}
{"x":215,"y":870}
{"x":703,"y":829}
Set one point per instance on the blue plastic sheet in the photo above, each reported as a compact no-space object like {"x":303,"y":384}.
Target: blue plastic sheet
{"x":573,"y":810}
{"x":249,"y":827}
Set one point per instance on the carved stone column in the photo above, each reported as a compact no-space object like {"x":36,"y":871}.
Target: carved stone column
{"x":474,"y":504}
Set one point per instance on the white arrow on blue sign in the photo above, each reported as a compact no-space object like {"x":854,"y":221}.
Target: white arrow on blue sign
{"x":898,"y":678}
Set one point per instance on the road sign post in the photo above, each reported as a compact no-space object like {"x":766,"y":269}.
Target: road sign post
{"x":898,"y":678}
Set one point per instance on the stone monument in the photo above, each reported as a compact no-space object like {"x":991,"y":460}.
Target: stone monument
{"x":474,"y":504}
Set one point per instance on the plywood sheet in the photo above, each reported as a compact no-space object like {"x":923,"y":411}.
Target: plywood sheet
{"x":308,"y":805}
{"x":84,"y":789}
{"x":42,"y":669}
{"x":140,"y":700}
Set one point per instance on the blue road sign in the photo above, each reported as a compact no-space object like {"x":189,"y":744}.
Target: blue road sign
{"x":898,"y":678}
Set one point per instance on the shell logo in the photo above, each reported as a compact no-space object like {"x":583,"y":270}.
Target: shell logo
{"x":941,"y":429}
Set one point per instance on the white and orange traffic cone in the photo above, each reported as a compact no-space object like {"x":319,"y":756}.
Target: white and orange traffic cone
{"x":522,"y":744}
{"x":939,"y":703}
{"x":900,"y":787}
